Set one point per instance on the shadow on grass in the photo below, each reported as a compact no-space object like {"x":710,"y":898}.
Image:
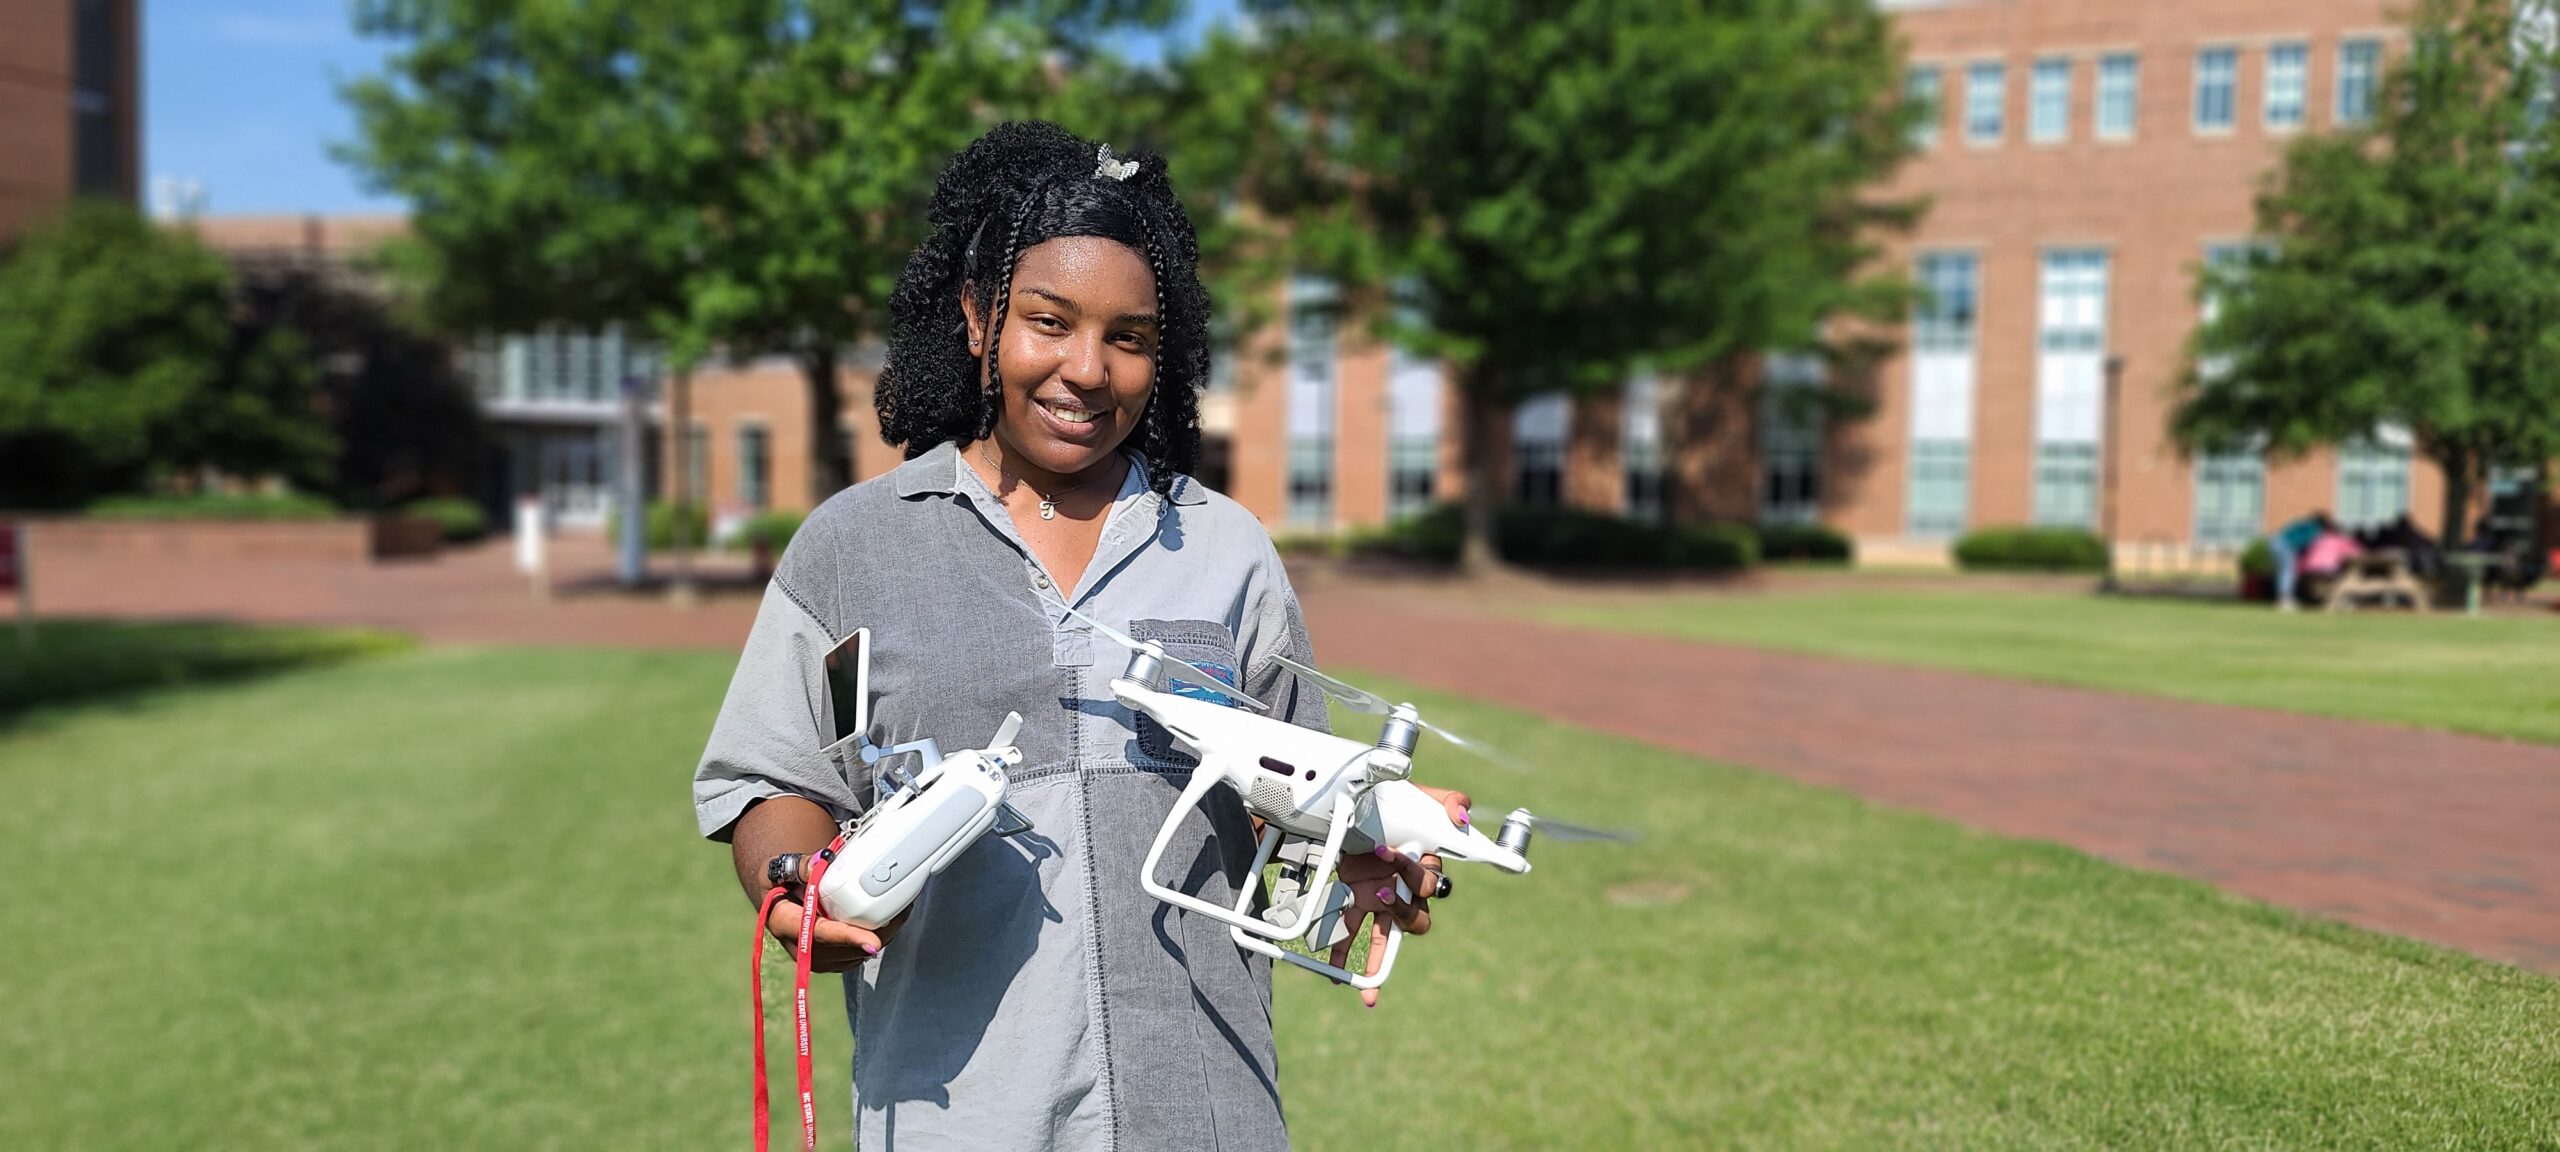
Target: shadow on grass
{"x":87,"y":660}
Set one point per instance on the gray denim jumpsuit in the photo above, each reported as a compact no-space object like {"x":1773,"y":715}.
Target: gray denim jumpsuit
{"x":1037,"y":997}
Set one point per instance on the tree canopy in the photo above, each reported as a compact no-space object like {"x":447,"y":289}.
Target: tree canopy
{"x":747,"y":176}
{"x":2406,"y":280}
{"x":1568,"y":193}
{"x":120,"y":361}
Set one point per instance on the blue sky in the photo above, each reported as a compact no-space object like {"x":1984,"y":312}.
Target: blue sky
{"x":241,"y":97}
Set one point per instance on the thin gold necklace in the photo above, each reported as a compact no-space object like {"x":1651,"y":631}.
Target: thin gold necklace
{"x":1048,"y":503}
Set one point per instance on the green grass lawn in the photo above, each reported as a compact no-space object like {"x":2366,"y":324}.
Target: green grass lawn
{"x":65,"y":659}
{"x":453,"y":899}
{"x":2497,"y":676}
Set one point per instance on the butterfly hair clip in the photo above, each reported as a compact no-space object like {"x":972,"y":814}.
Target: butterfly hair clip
{"x":1106,"y":168}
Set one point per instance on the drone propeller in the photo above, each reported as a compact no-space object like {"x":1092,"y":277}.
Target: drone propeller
{"x":1191,"y":674}
{"x":1363,"y":700}
{"x":1559,"y":830}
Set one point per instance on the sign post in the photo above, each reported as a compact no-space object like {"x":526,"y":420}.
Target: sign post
{"x":530,"y":542}
{"x":14,"y":576}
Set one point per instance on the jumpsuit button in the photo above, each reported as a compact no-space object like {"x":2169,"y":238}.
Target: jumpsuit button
{"x":1040,"y":581}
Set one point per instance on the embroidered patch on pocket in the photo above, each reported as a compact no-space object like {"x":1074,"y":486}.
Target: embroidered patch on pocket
{"x":1208,"y":646}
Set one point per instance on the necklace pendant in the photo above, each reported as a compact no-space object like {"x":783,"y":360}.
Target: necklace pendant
{"x":1049,"y":509}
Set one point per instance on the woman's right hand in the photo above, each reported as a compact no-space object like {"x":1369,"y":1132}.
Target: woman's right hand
{"x":834,"y":946}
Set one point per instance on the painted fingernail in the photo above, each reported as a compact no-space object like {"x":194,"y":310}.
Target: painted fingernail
{"x":1462,"y":817}
{"x":873,"y":949}
{"x":1386,"y":895}
{"x":1385,"y":853}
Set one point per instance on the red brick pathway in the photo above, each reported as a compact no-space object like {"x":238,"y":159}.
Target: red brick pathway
{"x":2445,"y":838}
{"x":2452,"y":839}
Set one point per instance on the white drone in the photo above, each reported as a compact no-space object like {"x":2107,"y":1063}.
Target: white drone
{"x":1318,"y":796}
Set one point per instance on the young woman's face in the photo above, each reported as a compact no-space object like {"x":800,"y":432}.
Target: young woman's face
{"x":1078,"y":351}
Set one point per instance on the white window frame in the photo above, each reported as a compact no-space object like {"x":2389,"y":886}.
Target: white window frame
{"x":2049,"y":100}
{"x":2358,"y":84}
{"x":1937,"y":497}
{"x":1314,"y":387}
{"x":2229,"y":58}
{"x":1541,"y":428}
{"x":2107,"y":96}
{"x":2285,"y":104}
{"x":1926,"y":85}
{"x":1986,"y":103}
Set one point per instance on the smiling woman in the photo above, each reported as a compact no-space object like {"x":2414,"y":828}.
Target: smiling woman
{"x":1049,"y":342}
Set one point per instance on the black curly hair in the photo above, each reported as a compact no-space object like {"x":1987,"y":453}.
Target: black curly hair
{"x":1021,"y":183}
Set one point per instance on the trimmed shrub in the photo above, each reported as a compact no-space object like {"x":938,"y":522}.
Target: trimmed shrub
{"x":460,"y":521}
{"x":1431,"y":535}
{"x":1815,"y":543}
{"x":2032,"y":549}
{"x":1715,"y":548}
{"x":775,"y":528}
{"x":1567,"y":538}
{"x":660,"y":526}
{"x":290,"y":506}
{"x":2258,"y":559}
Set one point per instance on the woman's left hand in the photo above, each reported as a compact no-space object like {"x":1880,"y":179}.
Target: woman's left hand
{"x":1372,"y":878}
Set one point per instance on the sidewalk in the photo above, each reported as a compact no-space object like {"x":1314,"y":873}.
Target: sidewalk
{"x":2445,"y":838}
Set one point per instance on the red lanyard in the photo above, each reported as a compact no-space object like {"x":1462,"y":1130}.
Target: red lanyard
{"x":799,"y":1001}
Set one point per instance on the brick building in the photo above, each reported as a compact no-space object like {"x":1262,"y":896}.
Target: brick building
{"x":2086,"y":157}
{"x":69,"y":105}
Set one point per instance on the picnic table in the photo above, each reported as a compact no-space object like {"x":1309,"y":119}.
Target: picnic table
{"x":2382,"y":575}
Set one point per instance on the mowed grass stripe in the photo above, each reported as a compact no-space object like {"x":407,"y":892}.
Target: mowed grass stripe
{"x":454,"y":898}
{"x":2491,"y":676}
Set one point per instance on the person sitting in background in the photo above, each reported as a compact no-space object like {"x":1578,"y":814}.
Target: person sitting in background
{"x":2330,"y":553}
{"x":2403,"y":534}
{"x":2289,"y":543}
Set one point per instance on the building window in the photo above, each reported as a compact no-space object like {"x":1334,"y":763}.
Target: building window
{"x":2288,"y":83}
{"x":1938,"y":486}
{"x":2119,"y":89}
{"x":2373,"y":480}
{"x":2049,"y":101}
{"x":2217,"y":84}
{"x":1791,"y":440}
{"x":2231,"y":488}
{"x":1942,"y":368}
{"x":2231,"y":499}
{"x":1949,"y":283}
{"x":1538,"y":431}
{"x":1986,"y":98}
{"x":1312,"y":323}
{"x":2066,"y":485}
{"x":755,"y":467}
{"x":1924,"y":88}
{"x":1640,"y":446}
{"x":2359,"y":73}
{"x":1413,"y":432}
{"x":97,"y":164}
{"x":2071,"y":342}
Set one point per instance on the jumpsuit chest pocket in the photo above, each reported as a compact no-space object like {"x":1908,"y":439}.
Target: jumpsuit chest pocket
{"x":1207,"y":645}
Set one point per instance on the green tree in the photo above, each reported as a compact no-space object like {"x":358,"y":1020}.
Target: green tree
{"x":2407,"y":279}
{"x":745,"y":177}
{"x":120,"y":362}
{"x":1576,"y":191}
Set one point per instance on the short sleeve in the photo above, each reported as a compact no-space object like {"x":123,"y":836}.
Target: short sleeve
{"x":772,"y":733}
{"x":1274,"y":625}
